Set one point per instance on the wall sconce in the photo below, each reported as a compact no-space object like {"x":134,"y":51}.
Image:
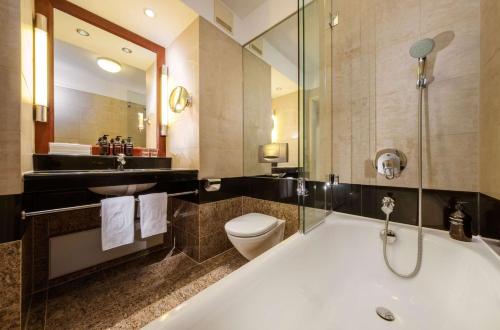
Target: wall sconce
{"x":41,"y":68}
{"x":164,"y":105}
{"x":141,"y":119}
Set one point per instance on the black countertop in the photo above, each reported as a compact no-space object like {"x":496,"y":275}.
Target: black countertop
{"x":39,"y":181}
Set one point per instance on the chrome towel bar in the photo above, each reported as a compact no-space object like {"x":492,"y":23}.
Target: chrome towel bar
{"x":25,"y":214}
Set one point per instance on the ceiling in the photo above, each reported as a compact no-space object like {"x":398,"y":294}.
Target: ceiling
{"x":100,"y":42}
{"x":281,"y":84}
{"x":73,"y":64}
{"x":242,"y":7}
{"x":172,"y":16}
{"x":283,"y":37}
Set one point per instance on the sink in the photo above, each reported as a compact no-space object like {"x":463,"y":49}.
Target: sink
{"x":122,"y":190}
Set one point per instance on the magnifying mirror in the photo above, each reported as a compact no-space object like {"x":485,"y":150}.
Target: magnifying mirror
{"x":179,"y":99}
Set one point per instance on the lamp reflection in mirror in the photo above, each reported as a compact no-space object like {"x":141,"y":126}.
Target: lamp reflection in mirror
{"x":41,"y":68}
{"x":164,"y":97}
{"x":273,"y":153}
{"x":274,"y":133}
{"x":140,"y":119}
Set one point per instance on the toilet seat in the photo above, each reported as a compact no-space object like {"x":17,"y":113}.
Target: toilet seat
{"x":250,"y":225}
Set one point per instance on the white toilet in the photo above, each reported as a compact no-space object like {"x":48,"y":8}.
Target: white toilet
{"x":254,"y":233}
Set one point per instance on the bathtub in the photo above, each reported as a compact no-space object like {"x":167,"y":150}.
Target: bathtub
{"x":335,"y":277}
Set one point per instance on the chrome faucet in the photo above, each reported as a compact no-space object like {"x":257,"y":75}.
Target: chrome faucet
{"x":120,"y":158}
{"x":457,"y":224}
{"x":388,"y":204}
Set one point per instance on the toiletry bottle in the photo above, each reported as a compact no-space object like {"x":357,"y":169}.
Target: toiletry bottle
{"x":103,"y":145}
{"x":129,"y":147}
{"x":117,"y":147}
{"x":111,"y":150}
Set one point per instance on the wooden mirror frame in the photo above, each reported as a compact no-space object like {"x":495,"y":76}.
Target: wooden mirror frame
{"x":44,"y":132}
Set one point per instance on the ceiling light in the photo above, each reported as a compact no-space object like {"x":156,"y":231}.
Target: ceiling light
{"x":82,"y":32}
{"x":149,"y":12}
{"x":127,"y":50}
{"x":109,"y":65}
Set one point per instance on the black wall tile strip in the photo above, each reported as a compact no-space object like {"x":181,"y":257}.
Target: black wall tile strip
{"x":11,"y":227}
{"x":489,"y":210}
{"x":364,"y":200}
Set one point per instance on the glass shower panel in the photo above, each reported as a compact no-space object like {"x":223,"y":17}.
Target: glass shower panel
{"x":315,"y":111}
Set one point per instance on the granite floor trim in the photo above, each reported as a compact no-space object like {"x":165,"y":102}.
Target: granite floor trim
{"x":130,"y":295}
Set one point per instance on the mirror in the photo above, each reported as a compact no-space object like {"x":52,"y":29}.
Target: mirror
{"x":103,"y":84}
{"x":270,"y":106}
{"x":179,"y":99}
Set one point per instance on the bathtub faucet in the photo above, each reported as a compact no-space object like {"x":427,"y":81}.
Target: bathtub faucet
{"x":388,"y":205}
{"x":120,"y":159}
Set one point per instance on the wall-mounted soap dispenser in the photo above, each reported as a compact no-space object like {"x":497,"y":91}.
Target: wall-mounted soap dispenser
{"x":460,"y":223}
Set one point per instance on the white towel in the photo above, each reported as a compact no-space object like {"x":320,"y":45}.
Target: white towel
{"x":117,"y":221}
{"x":59,"y":148}
{"x":153,"y":213}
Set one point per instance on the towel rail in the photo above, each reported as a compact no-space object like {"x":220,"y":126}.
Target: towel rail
{"x":25,"y":214}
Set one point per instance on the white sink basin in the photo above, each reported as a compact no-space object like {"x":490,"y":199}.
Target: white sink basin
{"x":122,"y":190}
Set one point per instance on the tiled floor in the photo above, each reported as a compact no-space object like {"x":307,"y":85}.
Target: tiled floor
{"x":130,"y":295}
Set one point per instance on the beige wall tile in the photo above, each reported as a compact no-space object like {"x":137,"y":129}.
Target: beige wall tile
{"x":10,"y":94}
{"x":257,"y":112}
{"x":83,"y":117}
{"x":286,"y":111}
{"x":183,"y":62}
{"x":221,"y":102}
{"x":490,"y":99}
{"x":374,"y":95}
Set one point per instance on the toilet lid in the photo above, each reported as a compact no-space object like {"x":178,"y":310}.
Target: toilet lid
{"x":250,"y":225}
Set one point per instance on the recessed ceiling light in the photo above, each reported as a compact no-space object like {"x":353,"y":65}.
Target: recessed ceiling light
{"x":127,"y":50}
{"x":109,"y":65}
{"x":149,"y":12}
{"x":82,"y":32}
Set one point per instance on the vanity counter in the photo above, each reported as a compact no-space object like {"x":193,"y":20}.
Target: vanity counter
{"x":39,"y":181}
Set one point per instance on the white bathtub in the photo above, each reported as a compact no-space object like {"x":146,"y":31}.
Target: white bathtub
{"x":335,"y":277}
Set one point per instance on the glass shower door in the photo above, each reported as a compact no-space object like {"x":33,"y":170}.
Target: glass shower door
{"x":315,"y":122}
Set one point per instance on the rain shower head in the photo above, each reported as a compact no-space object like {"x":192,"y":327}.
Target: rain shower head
{"x":422,"y":48}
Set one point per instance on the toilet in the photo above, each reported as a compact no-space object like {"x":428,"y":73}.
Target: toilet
{"x":254,"y":233}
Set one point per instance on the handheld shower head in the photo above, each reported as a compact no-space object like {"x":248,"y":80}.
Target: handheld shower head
{"x":420,"y":50}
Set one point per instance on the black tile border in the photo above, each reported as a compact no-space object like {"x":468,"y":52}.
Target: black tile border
{"x":11,"y":227}
{"x":489,"y":215}
{"x":362,"y":200}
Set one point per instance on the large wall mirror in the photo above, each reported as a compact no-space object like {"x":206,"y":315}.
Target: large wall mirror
{"x":104,"y":80}
{"x":270,"y":74}
{"x":103,"y":85}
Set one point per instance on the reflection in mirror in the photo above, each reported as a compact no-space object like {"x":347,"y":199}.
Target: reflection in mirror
{"x":270,"y":89}
{"x":104,"y":85}
{"x":179,"y":99}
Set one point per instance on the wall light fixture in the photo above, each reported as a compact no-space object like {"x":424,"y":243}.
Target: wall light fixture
{"x":41,"y":68}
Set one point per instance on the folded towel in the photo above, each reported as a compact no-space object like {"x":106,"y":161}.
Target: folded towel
{"x":69,"y":148}
{"x":117,"y":217}
{"x":153,"y":213}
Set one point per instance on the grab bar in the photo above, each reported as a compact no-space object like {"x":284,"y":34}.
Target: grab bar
{"x":25,"y":214}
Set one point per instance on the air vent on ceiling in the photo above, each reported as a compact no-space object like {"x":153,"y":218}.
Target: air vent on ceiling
{"x":223,"y":16}
{"x":256,"y":49}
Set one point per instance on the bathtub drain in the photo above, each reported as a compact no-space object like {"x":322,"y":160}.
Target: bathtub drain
{"x":385,"y":314}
